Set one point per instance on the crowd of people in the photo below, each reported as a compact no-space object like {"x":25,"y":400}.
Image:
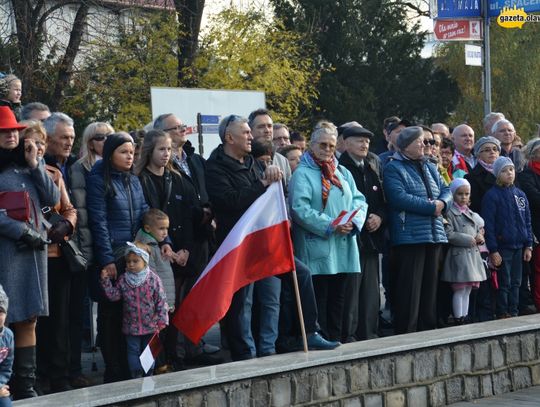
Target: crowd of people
{"x":445,"y":224}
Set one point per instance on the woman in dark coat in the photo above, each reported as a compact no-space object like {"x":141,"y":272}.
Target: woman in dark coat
{"x":167,"y":189}
{"x":115,"y":204}
{"x":486,"y":150}
{"x":23,"y":264}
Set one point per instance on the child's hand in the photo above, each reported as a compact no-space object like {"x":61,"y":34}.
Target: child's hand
{"x":495,"y":259}
{"x":527,"y":254}
{"x":4,"y":391}
{"x":167,"y":252}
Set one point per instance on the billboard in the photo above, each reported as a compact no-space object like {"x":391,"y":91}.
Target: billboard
{"x":212,"y":104}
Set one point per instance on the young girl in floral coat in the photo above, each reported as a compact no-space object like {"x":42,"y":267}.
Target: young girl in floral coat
{"x":144,"y":307}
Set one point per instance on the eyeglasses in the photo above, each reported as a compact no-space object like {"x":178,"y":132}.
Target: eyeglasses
{"x":99,"y":137}
{"x":181,"y":128}
{"x":326,"y":146}
{"x":430,"y":142}
{"x":489,"y":149}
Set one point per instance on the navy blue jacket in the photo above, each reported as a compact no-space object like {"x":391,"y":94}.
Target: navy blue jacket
{"x":411,"y":205}
{"x":113,"y":219}
{"x":508,"y":220}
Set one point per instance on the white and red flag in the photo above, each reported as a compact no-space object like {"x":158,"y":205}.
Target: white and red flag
{"x":151,"y":352}
{"x":258,"y":246}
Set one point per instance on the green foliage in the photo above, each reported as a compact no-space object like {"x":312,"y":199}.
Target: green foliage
{"x":246,"y":50}
{"x":373,"y":55}
{"x":115,"y":83}
{"x":515,"y":57}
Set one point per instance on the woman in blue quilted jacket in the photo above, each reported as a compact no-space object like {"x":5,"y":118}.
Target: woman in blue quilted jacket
{"x":417,"y":196}
{"x":115,"y":204}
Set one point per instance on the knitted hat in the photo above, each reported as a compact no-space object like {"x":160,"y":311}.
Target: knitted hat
{"x":458,"y":183}
{"x":500,"y":163}
{"x":408,"y":135}
{"x":114,"y":141}
{"x":486,"y":140}
{"x":4,"y":300}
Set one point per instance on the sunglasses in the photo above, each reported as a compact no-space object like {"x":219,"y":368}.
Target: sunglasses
{"x":100,"y":137}
{"x":181,"y":128}
{"x":430,"y":142}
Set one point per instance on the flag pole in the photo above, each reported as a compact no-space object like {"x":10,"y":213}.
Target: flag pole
{"x":300,"y":313}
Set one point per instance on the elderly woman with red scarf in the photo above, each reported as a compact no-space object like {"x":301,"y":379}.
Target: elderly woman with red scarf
{"x":320,"y":189}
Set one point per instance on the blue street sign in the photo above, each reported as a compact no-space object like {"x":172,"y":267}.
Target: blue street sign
{"x":460,"y":8}
{"x":210,"y":129}
{"x":495,"y":6}
{"x":210,"y":119}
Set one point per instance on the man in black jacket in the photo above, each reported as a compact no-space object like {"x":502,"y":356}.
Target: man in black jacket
{"x":361,"y":322}
{"x":233,"y":185}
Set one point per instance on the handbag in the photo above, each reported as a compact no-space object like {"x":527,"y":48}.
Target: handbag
{"x":16,"y":204}
{"x":76,"y":261}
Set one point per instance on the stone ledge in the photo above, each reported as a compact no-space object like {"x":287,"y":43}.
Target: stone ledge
{"x":232,"y":372}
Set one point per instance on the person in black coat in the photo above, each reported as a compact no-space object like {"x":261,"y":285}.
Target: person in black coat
{"x":361,"y":320}
{"x":168,"y":188}
{"x":233,"y":185}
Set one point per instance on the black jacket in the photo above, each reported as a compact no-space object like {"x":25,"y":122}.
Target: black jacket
{"x":197,"y":166}
{"x":369,"y":183}
{"x":481,"y":181}
{"x":232,"y":187}
{"x":529,"y":182}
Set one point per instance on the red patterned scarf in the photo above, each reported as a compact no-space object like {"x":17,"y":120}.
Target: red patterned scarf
{"x":328,"y":177}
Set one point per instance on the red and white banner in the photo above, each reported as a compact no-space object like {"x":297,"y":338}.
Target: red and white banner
{"x":258,"y":246}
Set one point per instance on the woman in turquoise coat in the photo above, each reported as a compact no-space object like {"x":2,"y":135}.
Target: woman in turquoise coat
{"x":319,"y":191}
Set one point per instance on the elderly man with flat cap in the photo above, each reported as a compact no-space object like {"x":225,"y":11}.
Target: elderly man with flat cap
{"x":360,"y":321}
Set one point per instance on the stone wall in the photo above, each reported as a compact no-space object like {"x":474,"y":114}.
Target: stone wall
{"x":424,"y":369}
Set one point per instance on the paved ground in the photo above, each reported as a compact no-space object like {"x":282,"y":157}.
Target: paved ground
{"x":528,"y":397}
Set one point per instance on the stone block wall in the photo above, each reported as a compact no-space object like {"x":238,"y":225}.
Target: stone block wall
{"x":425,"y":377}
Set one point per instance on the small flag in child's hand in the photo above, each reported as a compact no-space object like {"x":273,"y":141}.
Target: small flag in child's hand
{"x":150,"y":353}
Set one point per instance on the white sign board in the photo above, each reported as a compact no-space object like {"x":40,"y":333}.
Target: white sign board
{"x":473,"y":55}
{"x":186,"y":103}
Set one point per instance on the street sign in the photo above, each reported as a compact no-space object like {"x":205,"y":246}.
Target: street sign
{"x":529,"y":6}
{"x":457,"y":30}
{"x":473,"y":55}
{"x":460,"y":8}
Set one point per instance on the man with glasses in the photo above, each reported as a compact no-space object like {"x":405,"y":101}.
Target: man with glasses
{"x":233,"y":185}
{"x":281,"y":135}
{"x":193,"y":168}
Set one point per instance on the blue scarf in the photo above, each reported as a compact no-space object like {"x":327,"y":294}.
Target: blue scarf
{"x":137,"y":279}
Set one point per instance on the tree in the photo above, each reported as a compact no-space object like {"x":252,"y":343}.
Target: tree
{"x":515,"y":56}
{"x":27,"y":58}
{"x":240,"y":51}
{"x":371,"y":53}
{"x":245,"y":50}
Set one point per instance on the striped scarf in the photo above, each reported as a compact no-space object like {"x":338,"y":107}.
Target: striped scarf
{"x":328,"y":177}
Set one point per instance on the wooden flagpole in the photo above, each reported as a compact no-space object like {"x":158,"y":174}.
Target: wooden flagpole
{"x":300,"y":313}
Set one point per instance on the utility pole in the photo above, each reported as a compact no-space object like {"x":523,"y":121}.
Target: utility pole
{"x":486,"y":75}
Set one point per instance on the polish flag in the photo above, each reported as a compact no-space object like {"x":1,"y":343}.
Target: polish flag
{"x":258,"y":246}
{"x":151,"y":352}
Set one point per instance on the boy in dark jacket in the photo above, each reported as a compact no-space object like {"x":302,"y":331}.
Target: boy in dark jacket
{"x":505,"y":210}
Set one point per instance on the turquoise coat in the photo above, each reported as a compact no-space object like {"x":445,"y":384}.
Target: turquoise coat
{"x":315,"y":242}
